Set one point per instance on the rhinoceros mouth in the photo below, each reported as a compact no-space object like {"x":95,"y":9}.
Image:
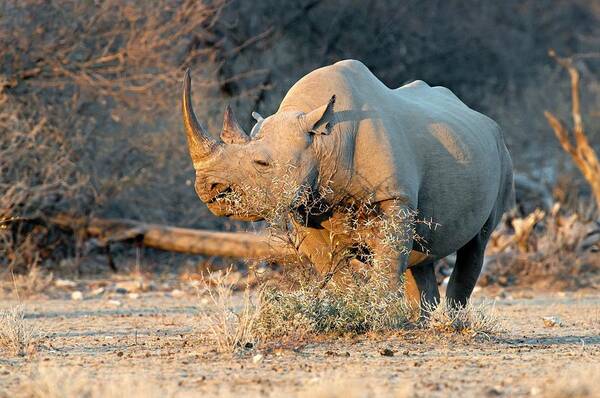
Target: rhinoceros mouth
{"x":220,"y":196}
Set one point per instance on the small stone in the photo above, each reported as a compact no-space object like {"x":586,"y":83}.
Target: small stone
{"x":97,"y":292}
{"x":120,"y":354}
{"x":64,"y":283}
{"x":176,"y":293}
{"x":330,"y":353}
{"x":116,"y":303}
{"x":504,"y":295}
{"x":204,"y":301}
{"x":386,"y":352}
{"x":551,"y":321}
{"x":76,"y":295}
{"x":133,"y":296}
{"x":494,"y":392}
{"x":257,"y":358}
{"x":129,"y":286}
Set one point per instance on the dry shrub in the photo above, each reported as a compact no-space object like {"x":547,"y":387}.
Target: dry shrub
{"x":38,"y":178}
{"x":552,"y":250}
{"x":227,"y":326}
{"x":34,"y":281}
{"x":365,"y":304}
{"x":17,"y":336}
{"x":107,"y":75}
{"x":129,"y":52}
{"x":233,"y":325}
{"x":472,"y":320}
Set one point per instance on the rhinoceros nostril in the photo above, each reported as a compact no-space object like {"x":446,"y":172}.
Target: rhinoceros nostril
{"x":221,"y":193}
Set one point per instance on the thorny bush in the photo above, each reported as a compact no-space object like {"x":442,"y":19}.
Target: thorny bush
{"x":38,"y":179}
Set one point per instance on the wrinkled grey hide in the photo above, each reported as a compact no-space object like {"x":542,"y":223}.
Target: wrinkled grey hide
{"x":416,"y":145}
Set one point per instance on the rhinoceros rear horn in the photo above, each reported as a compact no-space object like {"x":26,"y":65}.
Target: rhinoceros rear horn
{"x":200,"y":143}
{"x":232,"y":133}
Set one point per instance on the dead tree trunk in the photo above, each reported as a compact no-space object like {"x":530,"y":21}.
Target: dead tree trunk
{"x":582,"y":153}
{"x":182,"y":240}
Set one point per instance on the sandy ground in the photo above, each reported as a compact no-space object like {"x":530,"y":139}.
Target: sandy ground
{"x":150,"y":340}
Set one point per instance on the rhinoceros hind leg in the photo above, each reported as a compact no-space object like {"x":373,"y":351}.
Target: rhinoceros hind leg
{"x":421,"y":287}
{"x":469,"y":260}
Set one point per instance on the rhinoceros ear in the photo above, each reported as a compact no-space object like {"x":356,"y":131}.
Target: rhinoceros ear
{"x":232,"y":133}
{"x":320,"y":120}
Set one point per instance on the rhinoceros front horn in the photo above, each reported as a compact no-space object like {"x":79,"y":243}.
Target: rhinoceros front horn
{"x":199,"y":142}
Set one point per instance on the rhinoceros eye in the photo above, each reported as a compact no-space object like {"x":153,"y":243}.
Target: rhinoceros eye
{"x":262,"y":163}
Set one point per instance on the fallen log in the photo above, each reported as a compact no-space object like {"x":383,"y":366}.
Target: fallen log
{"x":175,"y":239}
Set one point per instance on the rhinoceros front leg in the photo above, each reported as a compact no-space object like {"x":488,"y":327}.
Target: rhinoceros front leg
{"x":315,"y":245}
{"x":421,"y":287}
{"x":420,"y":283}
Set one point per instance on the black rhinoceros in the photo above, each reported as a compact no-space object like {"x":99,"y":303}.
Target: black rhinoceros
{"x":417,"y":146}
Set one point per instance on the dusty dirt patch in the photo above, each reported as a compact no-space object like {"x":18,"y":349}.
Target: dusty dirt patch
{"x":151,"y":339}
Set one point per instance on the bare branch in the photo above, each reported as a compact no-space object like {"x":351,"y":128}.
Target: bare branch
{"x":583,"y":155}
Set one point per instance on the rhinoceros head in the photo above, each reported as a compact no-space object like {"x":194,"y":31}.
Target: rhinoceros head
{"x":278,"y":149}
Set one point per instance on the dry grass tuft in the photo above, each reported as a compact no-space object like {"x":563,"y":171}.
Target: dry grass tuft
{"x":227,"y":326}
{"x":471,"y":320}
{"x":35,"y":281}
{"x":17,"y":336}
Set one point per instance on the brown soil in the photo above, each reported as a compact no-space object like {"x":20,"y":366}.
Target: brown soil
{"x":151,"y":339}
